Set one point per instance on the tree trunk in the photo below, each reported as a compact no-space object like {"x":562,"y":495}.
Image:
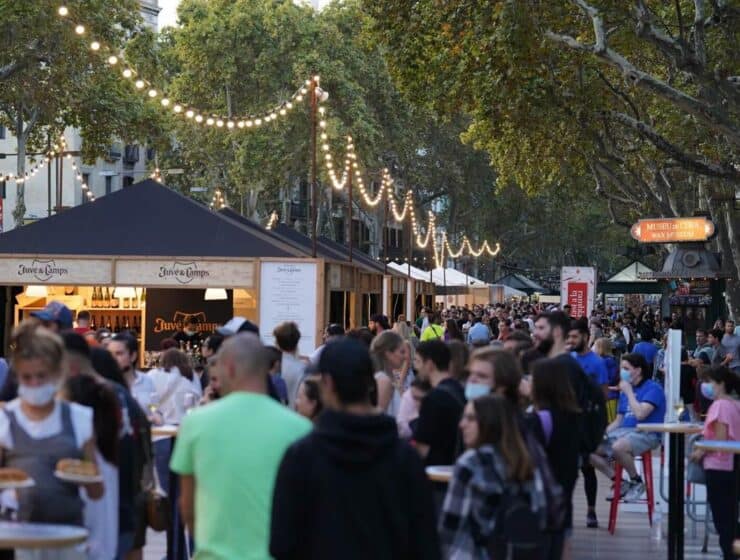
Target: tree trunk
{"x":19,"y":211}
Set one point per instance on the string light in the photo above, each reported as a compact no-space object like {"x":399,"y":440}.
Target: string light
{"x":280,"y":110}
{"x":273,"y":220}
{"x":218,"y":201}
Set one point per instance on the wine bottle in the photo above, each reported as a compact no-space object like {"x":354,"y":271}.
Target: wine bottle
{"x":114,"y":301}
{"x":107,"y":297}
{"x":117,"y":328}
{"x":92,"y":322}
{"x":126,"y":324}
{"x":94,"y":299}
{"x":108,"y":325}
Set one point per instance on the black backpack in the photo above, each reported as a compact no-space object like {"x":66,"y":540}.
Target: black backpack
{"x":593,"y":413}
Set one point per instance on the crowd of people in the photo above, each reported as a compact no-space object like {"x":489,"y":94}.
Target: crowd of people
{"x":323,"y":456}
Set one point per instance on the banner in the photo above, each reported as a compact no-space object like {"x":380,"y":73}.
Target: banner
{"x":578,"y":289}
{"x":59,"y":271}
{"x":185,"y":273}
{"x":168,"y":310}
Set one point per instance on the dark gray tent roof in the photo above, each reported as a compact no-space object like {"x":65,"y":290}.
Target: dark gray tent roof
{"x":145,"y":219}
{"x":521,"y":282}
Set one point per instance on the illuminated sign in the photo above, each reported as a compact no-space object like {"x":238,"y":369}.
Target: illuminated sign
{"x":672,"y":230}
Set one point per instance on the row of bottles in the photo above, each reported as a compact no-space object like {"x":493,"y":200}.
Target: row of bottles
{"x":117,"y":323}
{"x":105,"y":298}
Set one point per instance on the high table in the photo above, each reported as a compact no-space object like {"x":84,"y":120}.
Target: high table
{"x":440,"y":473}
{"x":40,"y":535}
{"x":718,"y":445}
{"x":677,"y":454}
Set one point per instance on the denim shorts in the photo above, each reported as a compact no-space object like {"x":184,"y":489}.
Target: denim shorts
{"x":640,"y":442}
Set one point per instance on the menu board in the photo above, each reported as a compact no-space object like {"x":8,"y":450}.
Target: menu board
{"x":288,"y":293}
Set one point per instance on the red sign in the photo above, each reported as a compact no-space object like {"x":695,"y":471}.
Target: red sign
{"x":578,"y":299}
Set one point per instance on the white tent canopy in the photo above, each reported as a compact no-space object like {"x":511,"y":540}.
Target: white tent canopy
{"x":416,"y":273}
{"x":452,"y":277}
{"x":631,"y":273}
{"x":509,"y":291}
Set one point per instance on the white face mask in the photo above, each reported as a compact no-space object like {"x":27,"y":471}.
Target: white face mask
{"x":37,"y":396}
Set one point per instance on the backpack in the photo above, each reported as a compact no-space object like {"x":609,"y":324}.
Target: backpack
{"x":522,"y":515}
{"x":594,"y":420}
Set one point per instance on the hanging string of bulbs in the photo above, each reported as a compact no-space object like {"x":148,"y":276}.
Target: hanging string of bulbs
{"x":385,"y":191}
{"x":281,"y":110}
{"x":272,"y":222}
{"x":191,"y":113}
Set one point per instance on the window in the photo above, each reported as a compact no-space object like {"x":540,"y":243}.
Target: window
{"x":2,"y":132}
{"x":86,"y":181}
{"x":108,"y":184}
{"x":128,"y":180}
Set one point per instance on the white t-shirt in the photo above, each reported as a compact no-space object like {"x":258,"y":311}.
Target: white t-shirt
{"x":171,"y":388}
{"x":82,"y":423}
{"x":142,"y":390}
{"x":395,"y":403}
{"x":101,"y":516}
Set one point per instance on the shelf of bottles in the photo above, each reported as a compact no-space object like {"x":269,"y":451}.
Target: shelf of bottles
{"x":104,"y":303}
{"x":111,"y":311}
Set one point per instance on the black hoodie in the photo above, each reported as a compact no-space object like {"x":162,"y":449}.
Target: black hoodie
{"x":352,"y":489}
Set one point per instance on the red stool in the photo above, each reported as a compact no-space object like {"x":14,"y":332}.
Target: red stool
{"x":647,"y":477}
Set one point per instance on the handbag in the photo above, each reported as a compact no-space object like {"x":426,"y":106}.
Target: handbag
{"x":158,"y":509}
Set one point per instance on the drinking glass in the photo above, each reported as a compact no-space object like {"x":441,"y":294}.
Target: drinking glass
{"x":678,"y":406}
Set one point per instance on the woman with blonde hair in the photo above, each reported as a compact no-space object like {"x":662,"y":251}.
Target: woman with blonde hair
{"x":390,"y":353}
{"x":38,"y":429}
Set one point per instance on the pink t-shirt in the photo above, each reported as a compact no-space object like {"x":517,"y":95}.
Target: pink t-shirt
{"x":726,"y":411}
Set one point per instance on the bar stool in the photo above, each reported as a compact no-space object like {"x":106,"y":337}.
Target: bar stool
{"x":647,"y":477}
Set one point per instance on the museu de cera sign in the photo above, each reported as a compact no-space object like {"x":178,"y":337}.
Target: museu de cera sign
{"x":673,"y":230}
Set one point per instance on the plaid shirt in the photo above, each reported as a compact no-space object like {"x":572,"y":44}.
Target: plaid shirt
{"x":468,"y":515}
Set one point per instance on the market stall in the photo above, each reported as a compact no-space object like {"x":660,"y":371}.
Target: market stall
{"x":123,"y":255}
{"x":352,"y":290}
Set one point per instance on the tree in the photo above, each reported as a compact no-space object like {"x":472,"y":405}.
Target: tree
{"x":643,"y":100}
{"x":50,"y":78}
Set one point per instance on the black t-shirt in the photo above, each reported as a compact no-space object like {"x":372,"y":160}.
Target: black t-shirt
{"x":437,"y":424}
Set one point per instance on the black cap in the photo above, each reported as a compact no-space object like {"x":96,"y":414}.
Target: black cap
{"x":346,"y":357}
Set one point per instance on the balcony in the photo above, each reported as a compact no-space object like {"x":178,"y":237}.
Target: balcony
{"x":131,"y":154}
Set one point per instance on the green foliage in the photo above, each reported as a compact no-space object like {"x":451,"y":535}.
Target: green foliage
{"x":50,"y":79}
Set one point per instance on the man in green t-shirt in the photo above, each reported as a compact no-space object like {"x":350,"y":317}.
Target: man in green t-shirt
{"x":435,"y":330}
{"x":227,"y":454}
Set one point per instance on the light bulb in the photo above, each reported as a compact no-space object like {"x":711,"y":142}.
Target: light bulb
{"x":219,"y":123}
{"x":299,"y":98}
{"x":139,"y":84}
{"x":95,"y":46}
{"x":80,"y":29}
{"x":165,"y":102}
{"x":230,"y":124}
{"x":189,"y":113}
{"x":112,"y":60}
{"x":198,"y":118}
{"x":257,"y":122}
{"x":63,"y":11}
{"x":152,"y":93}
{"x":127,"y":73}
{"x":249,"y":124}
{"x":289,"y":105}
{"x":209,"y":121}
{"x":240,"y":124}
{"x":177,"y":108}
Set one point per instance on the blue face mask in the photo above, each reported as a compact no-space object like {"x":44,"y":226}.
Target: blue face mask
{"x":707,"y":389}
{"x":624,"y":375}
{"x":475,"y":390}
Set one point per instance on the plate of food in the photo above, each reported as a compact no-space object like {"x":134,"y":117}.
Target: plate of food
{"x":14,"y":478}
{"x":79,"y":472}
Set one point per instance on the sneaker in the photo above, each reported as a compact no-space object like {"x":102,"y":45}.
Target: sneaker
{"x":625,"y":487}
{"x":591,"y":521}
{"x":637,"y":489}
